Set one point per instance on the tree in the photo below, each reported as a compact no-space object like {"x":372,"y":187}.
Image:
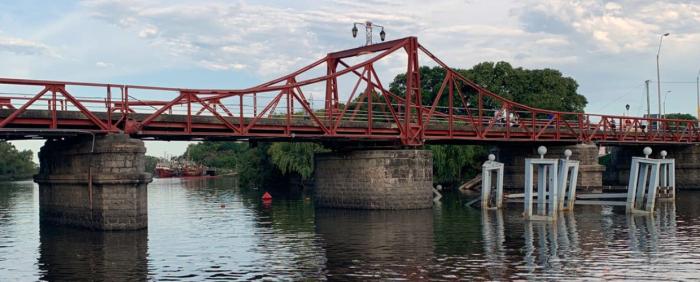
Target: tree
{"x":295,"y":157}
{"x":544,"y":88}
{"x":150,"y":163}
{"x":15,"y":164}
{"x":680,"y":116}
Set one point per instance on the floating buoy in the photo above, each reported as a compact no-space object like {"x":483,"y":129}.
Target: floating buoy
{"x":223,"y":206}
{"x":267,"y":197}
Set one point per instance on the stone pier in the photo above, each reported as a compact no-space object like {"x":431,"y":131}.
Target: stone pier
{"x":687,"y":164}
{"x":513,"y":156}
{"x":97,"y":185}
{"x":374,"y":179}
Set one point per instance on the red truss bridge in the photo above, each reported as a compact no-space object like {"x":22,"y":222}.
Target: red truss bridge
{"x":357,"y":106}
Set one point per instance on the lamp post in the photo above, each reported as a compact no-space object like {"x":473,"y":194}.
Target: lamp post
{"x":627,"y":109}
{"x":658,"y":73}
{"x":666,"y":97}
{"x":697,"y":84}
{"x":368,"y":31}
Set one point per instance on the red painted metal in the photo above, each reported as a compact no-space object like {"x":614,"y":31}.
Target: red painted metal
{"x":280,"y":109}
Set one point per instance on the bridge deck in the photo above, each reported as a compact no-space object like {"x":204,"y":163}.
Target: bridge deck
{"x":33,"y":123}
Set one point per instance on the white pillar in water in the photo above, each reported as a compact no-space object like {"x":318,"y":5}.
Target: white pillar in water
{"x":490,"y":169}
{"x":547,"y":187}
{"x":568,"y":176}
{"x":668,"y":175}
{"x":647,"y":175}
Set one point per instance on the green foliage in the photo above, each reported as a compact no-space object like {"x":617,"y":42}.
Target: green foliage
{"x":15,"y":164}
{"x":151,"y":163}
{"x":295,"y":157}
{"x":605,"y":160}
{"x":543,"y":88}
{"x":452,"y":164}
{"x":680,"y":116}
{"x":247,"y":161}
{"x":265,"y":163}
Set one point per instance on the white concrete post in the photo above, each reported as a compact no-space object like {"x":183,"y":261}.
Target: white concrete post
{"x":547,"y":187}
{"x":488,"y":169}
{"x":568,"y":176}
{"x":645,"y":177}
{"x":668,"y":174}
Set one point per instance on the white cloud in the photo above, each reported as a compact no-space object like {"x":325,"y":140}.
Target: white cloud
{"x":148,"y":32}
{"x":102,"y":64}
{"x":610,"y":27}
{"x":23,"y":46}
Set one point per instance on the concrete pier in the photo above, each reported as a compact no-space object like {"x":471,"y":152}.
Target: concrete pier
{"x":590,"y":172}
{"x":374,"y":179}
{"x":95,"y":183}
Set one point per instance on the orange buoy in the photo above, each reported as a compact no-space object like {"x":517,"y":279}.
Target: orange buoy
{"x":267,"y":197}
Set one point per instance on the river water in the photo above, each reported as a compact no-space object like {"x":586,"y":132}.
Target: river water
{"x":212,"y":229}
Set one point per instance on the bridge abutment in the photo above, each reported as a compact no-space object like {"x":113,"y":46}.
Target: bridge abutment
{"x":513,"y":156}
{"x":687,"y":164}
{"x":95,"y":183}
{"x":374,"y":179}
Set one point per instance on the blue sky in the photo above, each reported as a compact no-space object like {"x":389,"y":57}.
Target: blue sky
{"x":609,"y":47}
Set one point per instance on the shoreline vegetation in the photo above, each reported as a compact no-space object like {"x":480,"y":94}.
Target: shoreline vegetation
{"x":15,"y":164}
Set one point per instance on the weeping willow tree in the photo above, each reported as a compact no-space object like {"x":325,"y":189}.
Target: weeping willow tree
{"x":295,"y":157}
{"x":453,"y":164}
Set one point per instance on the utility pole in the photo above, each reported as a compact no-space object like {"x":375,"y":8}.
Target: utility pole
{"x":697,"y":84}
{"x":658,"y":75}
{"x":646,"y":83}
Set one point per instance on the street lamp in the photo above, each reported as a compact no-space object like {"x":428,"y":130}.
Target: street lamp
{"x":627,"y":109}
{"x":658,"y":74}
{"x":368,"y":31}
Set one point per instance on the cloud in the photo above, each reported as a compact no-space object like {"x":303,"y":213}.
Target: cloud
{"x":21,"y":46}
{"x":609,"y":27}
{"x":103,"y":64}
{"x":224,"y":35}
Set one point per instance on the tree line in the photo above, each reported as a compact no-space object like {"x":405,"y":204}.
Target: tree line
{"x":15,"y":164}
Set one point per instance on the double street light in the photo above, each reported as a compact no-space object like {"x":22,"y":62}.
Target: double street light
{"x":368,"y":31}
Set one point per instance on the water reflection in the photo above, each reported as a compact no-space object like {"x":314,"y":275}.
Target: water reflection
{"x":363,"y":244}
{"x":213,"y":229}
{"x":493,"y":231}
{"x":550,"y":245}
{"x":69,"y":254}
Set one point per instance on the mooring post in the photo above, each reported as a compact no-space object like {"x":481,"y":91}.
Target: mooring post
{"x":568,"y":176}
{"x":547,"y":200}
{"x":490,"y":169}
{"x":643,"y":183}
{"x":668,"y":175}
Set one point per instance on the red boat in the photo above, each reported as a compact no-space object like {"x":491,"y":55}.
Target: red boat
{"x":190,"y":169}
{"x":163,"y":171}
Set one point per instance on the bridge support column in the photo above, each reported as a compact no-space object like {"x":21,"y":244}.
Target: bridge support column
{"x":374,"y":179}
{"x":513,"y":156}
{"x":95,"y":183}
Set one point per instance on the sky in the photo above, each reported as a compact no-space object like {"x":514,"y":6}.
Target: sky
{"x":609,"y":47}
